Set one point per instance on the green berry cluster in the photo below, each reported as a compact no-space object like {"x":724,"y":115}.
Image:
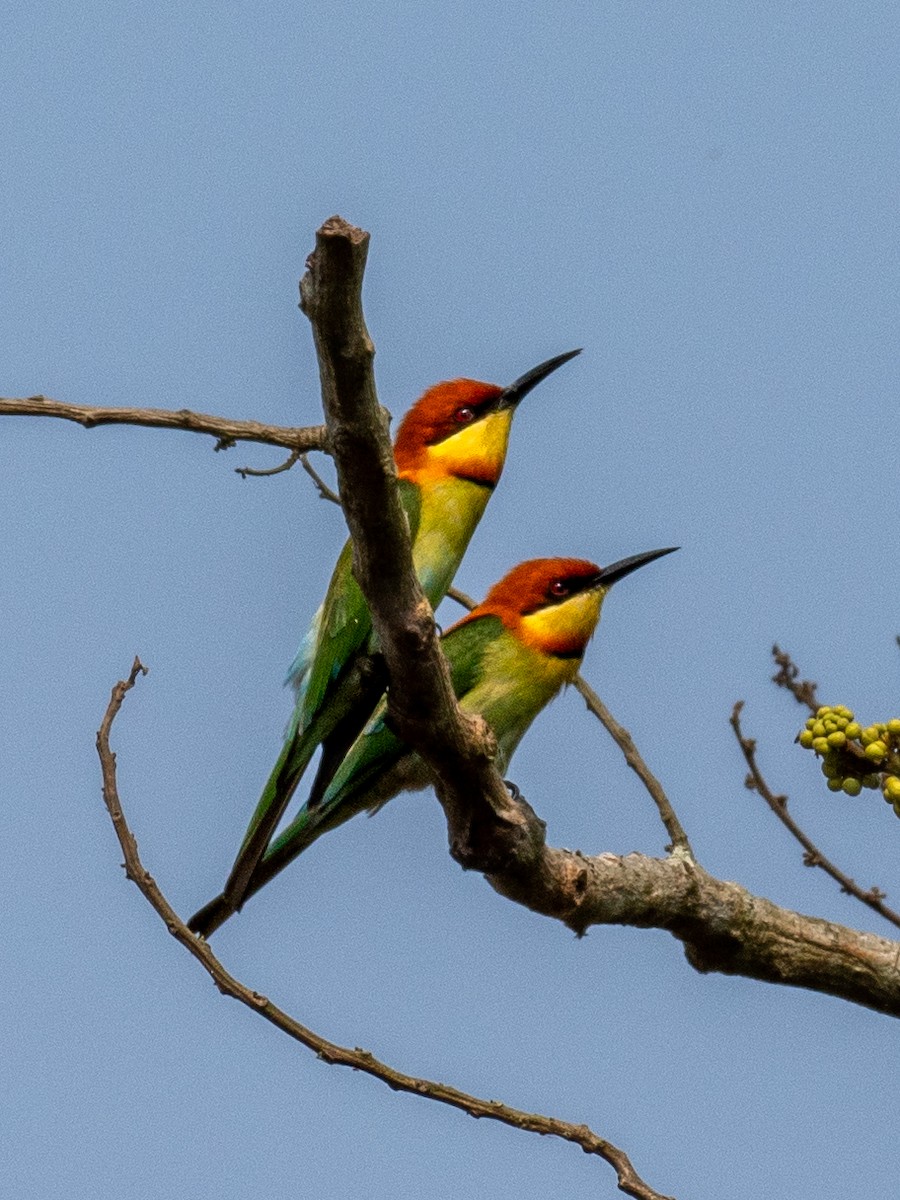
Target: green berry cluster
{"x":854,"y":757}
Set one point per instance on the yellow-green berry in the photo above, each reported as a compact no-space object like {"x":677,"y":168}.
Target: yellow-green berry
{"x":852,"y":787}
{"x":820,"y":745}
{"x":838,"y":738}
{"x":893,"y":726}
{"x":853,"y":730}
{"x":806,"y":739}
{"x":892,"y":789}
{"x":876,"y":751}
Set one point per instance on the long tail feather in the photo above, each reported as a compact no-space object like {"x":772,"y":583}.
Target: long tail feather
{"x":336,"y":727}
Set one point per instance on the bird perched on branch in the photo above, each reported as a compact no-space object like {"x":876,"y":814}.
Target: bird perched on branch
{"x":449,"y":452}
{"x":508,"y":658}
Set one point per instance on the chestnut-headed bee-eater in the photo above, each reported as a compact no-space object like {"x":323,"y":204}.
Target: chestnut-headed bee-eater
{"x":449,"y":452}
{"x":508,"y":658}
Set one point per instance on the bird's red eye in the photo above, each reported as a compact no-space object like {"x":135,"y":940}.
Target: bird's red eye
{"x":559,"y":587}
{"x":463,"y":416}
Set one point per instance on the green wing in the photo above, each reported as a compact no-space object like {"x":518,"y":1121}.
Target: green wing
{"x":340,"y":628}
{"x":362,"y":779}
{"x":464,"y":646}
{"x":353,"y":789}
{"x":335,"y":699}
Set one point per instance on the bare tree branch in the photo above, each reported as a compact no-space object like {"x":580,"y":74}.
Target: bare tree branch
{"x":723,"y":927}
{"x":813,"y":856}
{"x":302,"y":439}
{"x":423,"y":708}
{"x":629,"y":1181}
{"x":625,"y":742}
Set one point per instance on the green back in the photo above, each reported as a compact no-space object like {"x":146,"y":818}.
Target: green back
{"x":340,"y":628}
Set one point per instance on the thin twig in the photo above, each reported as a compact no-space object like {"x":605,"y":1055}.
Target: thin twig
{"x":312,"y":437}
{"x":625,"y":742}
{"x":259,"y":472}
{"x":325,"y":492}
{"x":461,"y":598}
{"x":804,"y":692}
{"x":629,"y":1181}
{"x":788,"y":677}
{"x":813,"y":856}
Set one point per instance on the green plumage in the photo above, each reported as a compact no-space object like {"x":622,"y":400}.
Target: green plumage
{"x":340,"y":628}
{"x":334,"y":698}
{"x":450,"y":448}
{"x":337,"y":682}
{"x":494,"y":675}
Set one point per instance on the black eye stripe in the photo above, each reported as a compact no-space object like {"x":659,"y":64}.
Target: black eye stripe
{"x":574,"y":585}
{"x":453,"y":425}
{"x":488,"y":484}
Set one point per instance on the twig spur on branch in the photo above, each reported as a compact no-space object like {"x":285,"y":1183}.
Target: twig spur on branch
{"x":788,"y":677}
{"x":813,"y":856}
{"x":261,"y":472}
{"x":325,"y":492}
{"x":629,"y":1181}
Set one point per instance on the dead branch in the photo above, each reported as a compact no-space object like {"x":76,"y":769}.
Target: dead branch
{"x":325,"y":492}
{"x":423,"y":708}
{"x":262,"y":472}
{"x":633,"y":757}
{"x":300,"y":439}
{"x":629,"y":1181}
{"x":722,"y":926}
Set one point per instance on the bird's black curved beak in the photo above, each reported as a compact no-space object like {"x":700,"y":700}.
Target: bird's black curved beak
{"x":518,"y":390}
{"x":618,"y":570}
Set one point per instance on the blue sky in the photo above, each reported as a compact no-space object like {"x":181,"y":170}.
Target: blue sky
{"x":702,"y":196}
